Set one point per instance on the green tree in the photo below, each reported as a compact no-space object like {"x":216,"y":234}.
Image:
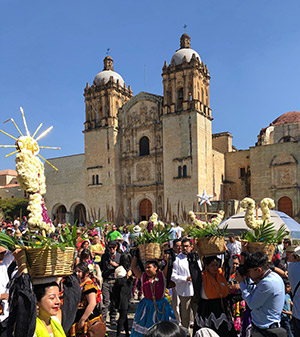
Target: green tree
{"x":13,"y":207}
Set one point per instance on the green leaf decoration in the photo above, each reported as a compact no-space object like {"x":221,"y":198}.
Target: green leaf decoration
{"x":267,"y":233}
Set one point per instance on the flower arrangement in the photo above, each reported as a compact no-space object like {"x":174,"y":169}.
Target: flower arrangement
{"x":263,"y":230}
{"x":154,"y":231}
{"x":249,"y":205}
{"x":153,"y":223}
{"x":207,"y":228}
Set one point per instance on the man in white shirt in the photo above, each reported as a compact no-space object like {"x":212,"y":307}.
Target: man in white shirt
{"x":179,"y":230}
{"x":6,"y":259}
{"x":234,"y":246}
{"x":184,"y":287}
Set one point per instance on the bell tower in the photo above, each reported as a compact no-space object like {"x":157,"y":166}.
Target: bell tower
{"x":186,"y":81}
{"x":187,"y":134}
{"x":102,"y":101}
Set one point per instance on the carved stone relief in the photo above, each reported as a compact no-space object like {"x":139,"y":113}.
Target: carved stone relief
{"x":143,"y":172}
{"x":283,"y":170}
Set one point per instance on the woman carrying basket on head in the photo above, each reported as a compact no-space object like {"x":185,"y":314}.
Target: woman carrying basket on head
{"x":154,"y":307}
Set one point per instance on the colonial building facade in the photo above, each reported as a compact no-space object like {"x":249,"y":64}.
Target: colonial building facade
{"x":149,"y":153}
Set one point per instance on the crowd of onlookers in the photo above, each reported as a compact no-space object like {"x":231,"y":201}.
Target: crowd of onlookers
{"x":233,"y":294}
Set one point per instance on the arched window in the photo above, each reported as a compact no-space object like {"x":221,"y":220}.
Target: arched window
{"x":97,"y":179}
{"x":144,"y":146}
{"x":179,"y":98}
{"x":179,"y":171}
{"x":184,"y":171}
{"x":93,"y":180}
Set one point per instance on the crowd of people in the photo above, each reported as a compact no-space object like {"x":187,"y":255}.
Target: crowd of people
{"x":182,"y":294}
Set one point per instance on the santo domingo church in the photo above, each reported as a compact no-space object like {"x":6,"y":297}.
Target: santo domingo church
{"x":149,"y":153}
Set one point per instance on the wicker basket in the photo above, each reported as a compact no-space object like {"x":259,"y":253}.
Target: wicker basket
{"x":267,"y":248}
{"x":150,"y":251}
{"x":211,"y":246}
{"x":44,"y":262}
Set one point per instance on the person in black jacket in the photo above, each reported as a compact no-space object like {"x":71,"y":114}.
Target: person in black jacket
{"x":109,"y":262}
{"x":122,"y":292}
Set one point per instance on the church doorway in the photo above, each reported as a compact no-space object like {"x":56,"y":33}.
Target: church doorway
{"x":80,"y":214}
{"x":285,"y":205}
{"x":145,"y":209}
{"x":60,"y":214}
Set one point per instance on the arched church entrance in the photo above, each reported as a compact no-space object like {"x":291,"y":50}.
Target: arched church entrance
{"x":80,"y":214}
{"x":60,"y":214}
{"x":145,"y":209}
{"x":285,"y":205}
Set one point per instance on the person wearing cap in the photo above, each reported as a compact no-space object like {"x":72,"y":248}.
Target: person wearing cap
{"x":293,"y":254}
{"x":109,"y":262}
{"x":6,"y":258}
{"x":264,"y":293}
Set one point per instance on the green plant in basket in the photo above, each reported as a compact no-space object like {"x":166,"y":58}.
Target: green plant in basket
{"x":207,"y":229}
{"x":265,"y":233}
{"x":68,"y":238}
{"x":157,"y":234}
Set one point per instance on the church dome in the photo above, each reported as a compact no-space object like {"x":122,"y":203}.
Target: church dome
{"x":184,"y":51}
{"x":105,"y":75}
{"x":287,"y":118}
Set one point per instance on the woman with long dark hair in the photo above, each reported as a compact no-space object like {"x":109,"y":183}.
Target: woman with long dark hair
{"x":154,"y":307}
{"x":213,"y":307}
{"x":87,"y":311}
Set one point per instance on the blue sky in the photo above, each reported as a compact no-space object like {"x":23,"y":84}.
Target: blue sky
{"x":50,"y":49}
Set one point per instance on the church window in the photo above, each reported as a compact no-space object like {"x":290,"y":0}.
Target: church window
{"x":93,"y":180}
{"x":144,"y":146}
{"x":97,"y":179}
{"x":179,"y":98}
{"x":242,"y":172}
{"x":184,"y":171}
{"x":202,"y":95}
{"x":179,"y":171}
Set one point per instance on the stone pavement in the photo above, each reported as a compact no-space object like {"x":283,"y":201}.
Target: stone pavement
{"x":112,"y":329}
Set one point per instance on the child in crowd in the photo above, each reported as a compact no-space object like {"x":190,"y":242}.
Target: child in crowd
{"x":287,"y":309}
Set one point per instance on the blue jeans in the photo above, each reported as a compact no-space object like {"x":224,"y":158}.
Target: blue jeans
{"x":285,"y":323}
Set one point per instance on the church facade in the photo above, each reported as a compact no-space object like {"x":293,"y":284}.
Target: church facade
{"x":150,"y":153}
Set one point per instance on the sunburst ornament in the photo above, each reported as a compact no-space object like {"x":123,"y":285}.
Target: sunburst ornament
{"x":31,"y":176}
{"x":28,"y":144}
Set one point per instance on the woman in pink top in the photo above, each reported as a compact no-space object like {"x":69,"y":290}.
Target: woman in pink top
{"x":154,"y":307}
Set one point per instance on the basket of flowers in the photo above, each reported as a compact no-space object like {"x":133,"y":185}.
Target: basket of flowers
{"x":37,"y":251}
{"x":210,"y":239}
{"x":154,"y":234}
{"x":262,"y":235}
